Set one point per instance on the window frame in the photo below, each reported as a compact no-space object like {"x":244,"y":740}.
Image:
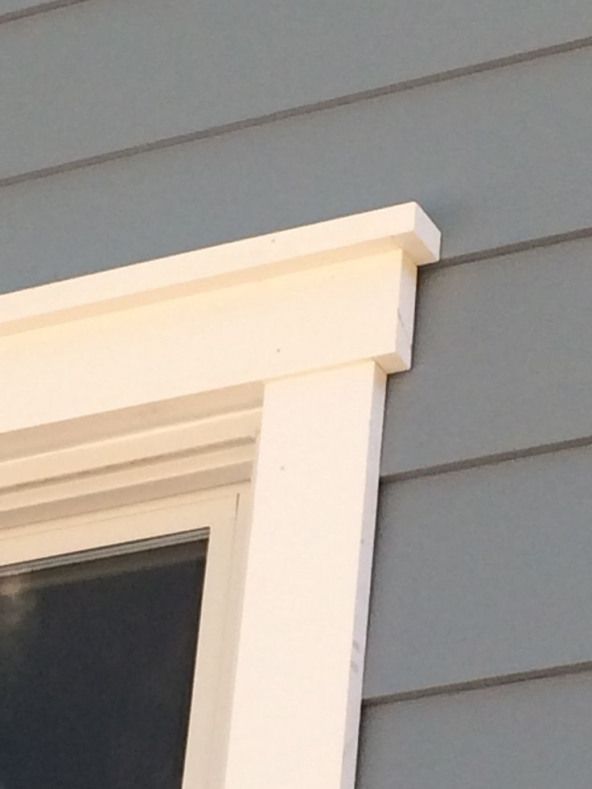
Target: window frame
{"x":216,"y":517}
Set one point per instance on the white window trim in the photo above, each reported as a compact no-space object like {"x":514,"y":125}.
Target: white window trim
{"x":261,"y":362}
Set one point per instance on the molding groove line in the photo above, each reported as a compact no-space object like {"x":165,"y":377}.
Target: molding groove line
{"x":260,"y":361}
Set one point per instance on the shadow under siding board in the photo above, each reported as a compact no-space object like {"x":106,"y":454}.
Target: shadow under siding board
{"x":494,"y":158}
{"x":532,"y":734}
{"x":102,"y":76}
{"x":12,"y":10}
{"x":482,"y":573}
{"x":502,"y":360}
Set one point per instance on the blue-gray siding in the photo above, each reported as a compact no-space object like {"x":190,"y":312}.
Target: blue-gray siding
{"x":104,"y":75}
{"x":530,"y":735}
{"x":497,"y":158}
{"x":483,"y":572}
{"x":503,"y":360}
{"x":205,"y":123}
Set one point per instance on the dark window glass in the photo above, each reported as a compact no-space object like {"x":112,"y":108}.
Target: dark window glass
{"x":96,"y":669}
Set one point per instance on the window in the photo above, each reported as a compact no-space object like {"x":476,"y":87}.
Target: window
{"x":97,"y":654}
{"x":105,"y":681}
{"x":237,"y":391}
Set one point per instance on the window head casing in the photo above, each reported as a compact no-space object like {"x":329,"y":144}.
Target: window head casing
{"x":188,"y":373}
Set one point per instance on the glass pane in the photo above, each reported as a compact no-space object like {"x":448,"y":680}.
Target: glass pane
{"x":96,"y":665}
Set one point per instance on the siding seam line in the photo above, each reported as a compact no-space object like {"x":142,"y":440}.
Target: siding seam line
{"x":510,"y":249}
{"x":486,"y":460}
{"x":39,"y":8}
{"x":480,"y":684}
{"x":293,"y":112}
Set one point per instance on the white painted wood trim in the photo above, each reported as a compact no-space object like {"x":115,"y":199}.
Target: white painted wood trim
{"x":320,"y":317}
{"x":163,"y":378}
{"x":300,"y":662}
{"x":406,"y":227}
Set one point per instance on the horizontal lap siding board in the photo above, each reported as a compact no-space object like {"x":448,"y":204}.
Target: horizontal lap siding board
{"x":530,"y":735}
{"x":482,"y":573}
{"x":101,"y":76}
{"x":496,"y":158}
{"x":502,"y":360}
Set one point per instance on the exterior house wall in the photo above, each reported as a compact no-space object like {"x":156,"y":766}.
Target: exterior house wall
{"x":139,"y":129}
